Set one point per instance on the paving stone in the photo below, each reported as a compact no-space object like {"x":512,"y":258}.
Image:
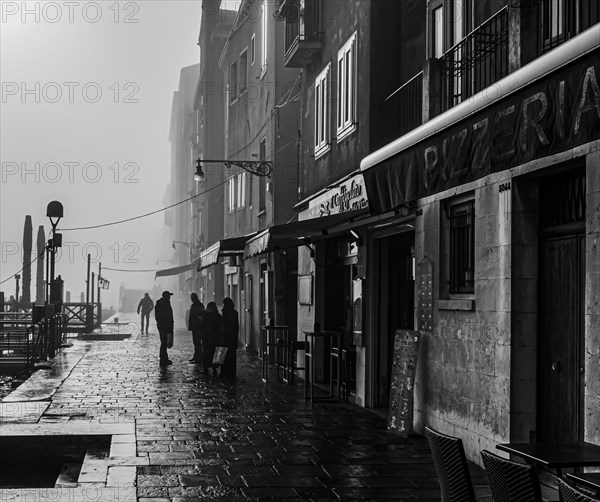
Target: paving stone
{"x":185,"y":436}
{"x":198,"y":480}
{"x":144,"y":481}
{"x":121,"y":476}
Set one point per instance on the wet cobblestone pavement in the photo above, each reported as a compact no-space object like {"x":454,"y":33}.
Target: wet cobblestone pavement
{"x":201,"y":437}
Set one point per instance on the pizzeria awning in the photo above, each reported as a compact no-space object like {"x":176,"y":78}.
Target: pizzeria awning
{"x":488,"y":132}
{"x":298,"y":233}
{"x":224,"y":247}
{"x":177,"y":270}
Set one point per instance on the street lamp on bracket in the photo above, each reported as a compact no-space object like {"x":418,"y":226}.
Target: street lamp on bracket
{"x":262,"y":168}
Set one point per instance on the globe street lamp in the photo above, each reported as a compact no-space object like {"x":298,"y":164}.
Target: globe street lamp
{"x":54,"y":212}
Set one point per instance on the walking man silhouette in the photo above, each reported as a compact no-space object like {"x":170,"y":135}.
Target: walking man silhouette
{"x":145,"y":306}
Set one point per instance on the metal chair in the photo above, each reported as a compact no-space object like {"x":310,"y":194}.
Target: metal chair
{"x":452,"y":468}
{"x":511,"y":481}
{"x":569,"y":493}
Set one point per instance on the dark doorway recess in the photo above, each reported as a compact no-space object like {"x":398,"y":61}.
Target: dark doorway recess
{"x":396,"y":301}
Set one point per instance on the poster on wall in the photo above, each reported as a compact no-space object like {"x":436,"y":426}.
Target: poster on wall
{"x":357,"y":332}
{"x":425,"y":295}
{"x":404,"y":363}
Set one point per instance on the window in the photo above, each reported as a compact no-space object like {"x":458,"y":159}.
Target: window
{"x":252,"y":49}
{"x":233,"y":81}
{"x":262,"y":187}
{"x":264,"y":36}
{"x":236,"y":191}
{"x":241,"y":190}
{"x":346,"y":88}
{"x":322,"y":111}
{"x":243,"y":72}
{"x":459,"y":246}
{"x":554,"y":19}
{"x":437,"y":31}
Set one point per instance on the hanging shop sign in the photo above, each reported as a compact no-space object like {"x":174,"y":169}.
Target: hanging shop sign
{"x":404,"y":364}
{"x":425,"y":295}
{"x":558,"y":112}
{"x":349,"y":195}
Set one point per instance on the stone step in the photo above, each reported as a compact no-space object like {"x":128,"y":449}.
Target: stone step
{"x":68,"y":476}
{"x":95,"y":466}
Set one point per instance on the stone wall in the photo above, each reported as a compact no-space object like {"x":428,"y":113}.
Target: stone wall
{"x":463,"y":381}
{"x":592,"y":300}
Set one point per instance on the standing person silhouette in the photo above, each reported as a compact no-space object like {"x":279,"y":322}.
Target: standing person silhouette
{"x":212,"y":334}
{"x":163,"y":313}
{"x":195,"y":322}
{"x":231,"y":329}
{"x":145,"y":306}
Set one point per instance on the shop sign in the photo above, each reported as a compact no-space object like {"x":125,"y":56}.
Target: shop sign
{"x":556,"y":113}
{"x":347,"y":196}
{"x":404,"y":364}
{"x":425,"y":295}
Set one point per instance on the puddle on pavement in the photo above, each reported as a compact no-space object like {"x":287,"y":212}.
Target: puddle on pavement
{"x":38,"y":461}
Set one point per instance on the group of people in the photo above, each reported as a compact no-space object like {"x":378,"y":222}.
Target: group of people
{"x":210,"y":329}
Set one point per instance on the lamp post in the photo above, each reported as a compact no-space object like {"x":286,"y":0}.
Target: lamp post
{"x":54,"y":212}
{"x":255,"y":167}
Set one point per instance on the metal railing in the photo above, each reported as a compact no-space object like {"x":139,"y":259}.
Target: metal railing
{"x":402,"y":110}
{"x":302,"y":23}
{"x":560,"y":20}
{"x":23,"y":342}
{"x":16,"y":333}
{"x":477,"y":61}
{"x":82,"y":317}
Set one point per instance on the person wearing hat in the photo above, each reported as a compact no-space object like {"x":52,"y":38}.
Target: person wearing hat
{"x":163,"y":313}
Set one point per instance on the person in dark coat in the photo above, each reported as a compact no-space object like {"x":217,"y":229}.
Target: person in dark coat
{"x":163,"y":313}
{"x":212,"y":335}
{"x":231,"y":329}
{"x":195,"y":321}
{"x":145,"y":307}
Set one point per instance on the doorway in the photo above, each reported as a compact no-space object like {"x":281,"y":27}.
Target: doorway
{"x":395,"y":308}
{"x":561,"y":307}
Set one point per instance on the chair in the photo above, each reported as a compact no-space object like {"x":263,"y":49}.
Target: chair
{"x":291,"y":359}
{"x":569,"y":493}
{"x":348,"y":376}
{"x":452,"y":468}
{"x":511,"y":481}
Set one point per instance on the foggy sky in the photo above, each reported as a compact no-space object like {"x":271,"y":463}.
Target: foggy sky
{"x":86,"y":94}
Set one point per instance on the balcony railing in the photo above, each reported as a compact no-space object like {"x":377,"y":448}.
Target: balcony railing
{"x":559,"y":20}
{"x":402,"y":110}
{"x":477,"y":61}
{"x":302,"y":31}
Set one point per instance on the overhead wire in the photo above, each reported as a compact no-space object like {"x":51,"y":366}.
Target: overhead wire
{"x":118,"y":222}
{"x":24,"y":267}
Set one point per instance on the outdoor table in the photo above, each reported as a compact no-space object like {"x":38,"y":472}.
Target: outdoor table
{"x":590,"y":480}
{"x":309,"y":362}
{"x":269,"y":340}
{"x":555,"y":455}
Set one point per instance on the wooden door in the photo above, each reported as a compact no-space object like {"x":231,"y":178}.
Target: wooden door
{"x":561,"y":338}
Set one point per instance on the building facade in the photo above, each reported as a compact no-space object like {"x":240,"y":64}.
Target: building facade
{"x":210,"y":144}
{"x":482,"y":192}
{"x":260,"y":112}
{"x":500,"y":186}
{"x":180,"y":219}
{"x":435,"y":168}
